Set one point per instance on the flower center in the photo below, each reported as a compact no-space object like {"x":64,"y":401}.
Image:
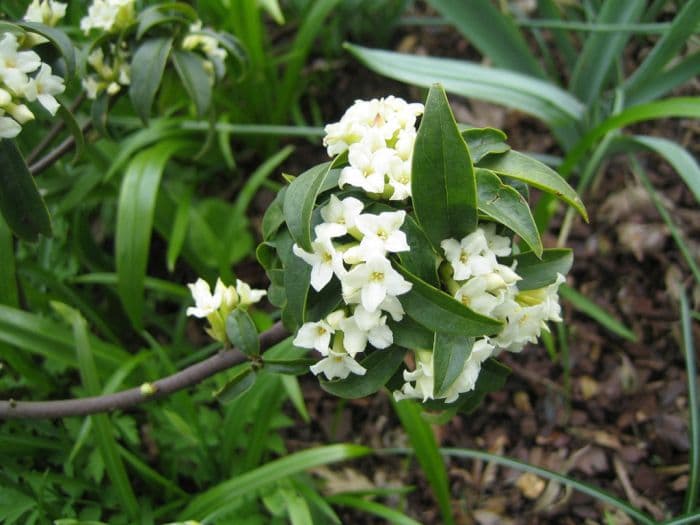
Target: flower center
{"x":382,"y":234}
{"x":376,"y":276}
{"x":463,"y":257}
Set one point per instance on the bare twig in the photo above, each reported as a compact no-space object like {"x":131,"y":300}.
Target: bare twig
{"x":54,"y":131}
{"x":191,"y":375}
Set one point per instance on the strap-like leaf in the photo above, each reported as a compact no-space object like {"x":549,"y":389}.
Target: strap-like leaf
{"x":442,"y":174}
{"x":506,"y":205}
{"x":21,"y":204}
{"x":147,"y":69}
{"x":137,"y":199}
{"x":522,"y":167}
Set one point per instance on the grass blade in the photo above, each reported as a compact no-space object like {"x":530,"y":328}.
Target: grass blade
{"x":493,"y":33}
{"x":426,"y":450}
{"x":137,"y":200}
{"x":104,"y":433}
{"x":685,"y":70}
{"x":585,"y":488}
{"x":686,"y":519}
{"x":592,"y":310}
{"x":693,"y":491}
{"x":218,"y":499}
{"x":675,"y":232}
{"x":371,"y":507}
{"x":683,"y":26}
{"x":8,"y":276}
{"x":601,"y":50}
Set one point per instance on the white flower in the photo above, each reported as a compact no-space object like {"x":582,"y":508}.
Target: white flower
{"x":367,"y":168}
{"x":400,"y":179}
{"x":44,"y":87}
{"x":14,"y":64}
{"x":109,"y":15}
{"x":383,"y":230}
{"x":205,"y":303}
{"x":498,"y":244}
{"x":19,"y":112}
{"x":339,"y":216}
{"x":315,"y":335}
{"x":362,"y":327}
{"x":9,"y":129}
{"x":338,"y":364}
{"x":208,"y":44}
{"x":474,"y":295}
{"x":248,"y":295}
{"x":325,"y":260}
{"x":47,"y":12}
{"x":422,"y":376}
{"x":470,"y":256}
{"x":466,"y":380}
{"x":376,"y":279}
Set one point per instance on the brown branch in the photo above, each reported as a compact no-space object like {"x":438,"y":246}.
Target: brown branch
{"x":54,"y":131}
{"x":127,"y":398}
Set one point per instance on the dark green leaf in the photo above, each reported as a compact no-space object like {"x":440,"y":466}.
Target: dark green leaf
{"x":492,"y":377}
{"x":242,"y":333}
{"x":536,"y":272}
{"x":147,"y":67}
{"x":412,"y":335}
{"x":193,"y":75}
{"x":522,"y":167}
{"x":299,"y":203}
{"x":484,"y":141}
{"x":274,"y":215}
{"x":421,"y":259}
{"x":380,"y":365}
{"x":98,"y":113}
{"x":74,"y":128}
{"x":442,"y":174}
{"x":8,"y":276}
{"x":439,"y":312}
{"x":20,"y":202}
{"x":450,"y":352}
{"x":506,"y":205}
{"x":162,"y":14}
{"x":181,"y":224}
{"x":297,"y":278}
{"x":240,"y":382}
{"x":58,"y":38}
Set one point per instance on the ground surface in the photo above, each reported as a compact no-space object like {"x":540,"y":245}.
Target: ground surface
{"x":618,"y":418}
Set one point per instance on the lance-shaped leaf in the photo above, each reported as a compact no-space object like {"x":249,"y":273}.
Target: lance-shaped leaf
{"x":442,"y":180}
{"x":20,"y":202}
{"x":58,"y":38}
{"x":380,"y":366}
{"x":519,"y":166}
{"x":440,"y":312}
{"x":193,"y":74}
{"x":450,"y":352}
{"x":242,"y":333}
{"x":299,"y":203}
{"x":240,"y":382}
{"x":147,"y":69}
{"x":506,"y":205}
{"x":538,"y":272}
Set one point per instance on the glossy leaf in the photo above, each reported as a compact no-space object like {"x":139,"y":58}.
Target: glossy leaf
{"x":506,"y":205}
{"x":194,"y":77}
{"x":380,"y":365}
{"x":74,"y":128}
{"x":58,"y":38}
{"x":519,"y":166}
{"x":484,"y":141}
{"x":224,"y":496}
{"x":421,"y":259}
{"x":8,"y":276}
{"x":297,"y":279}
{"x":21,"y":204}
{"x":137,"y":199}
{"x":410,"y":334}
{"x":299,"y":203}
{"x":240,"y":382}
{"x":450,"y":352}
{"x":538,"y":272}
{"x":274,"y":215}
{"x":242,"y":333}
{"x":294,"y":367}
{"x":442,"y":174}
{"x":147,"y":68}
{"x":440,"y":312}
{"x":153,"y":16}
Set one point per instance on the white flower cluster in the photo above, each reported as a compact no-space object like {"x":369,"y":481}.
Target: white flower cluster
{"x":17,"y":86}
{"x":490,"y":288}
{"x":354,"y":246}
{"x":110,"y":16}
{"x":47,"y":12}
{"x":379,"y":135}
{"x":216,"y":56}
{"x":216,"y":307}
{"x":110,"y":74}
